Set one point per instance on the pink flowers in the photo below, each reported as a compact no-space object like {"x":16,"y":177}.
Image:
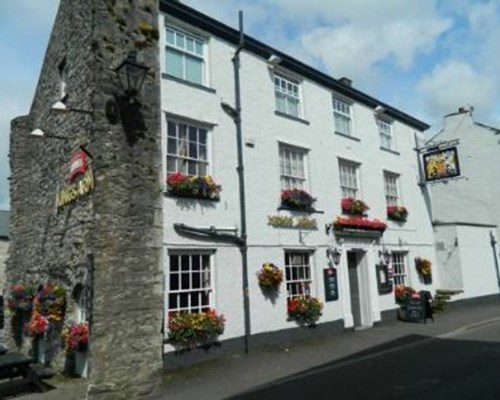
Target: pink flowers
{"x":202,"y":187}
{"x":353,"y":206}
{"x":76,"y":336}
{"x":38,"y":325}
{"x":359,"y":223}
{"x":297,"y":198}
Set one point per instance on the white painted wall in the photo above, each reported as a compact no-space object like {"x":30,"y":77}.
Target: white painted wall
{"x":474,"y":197}
{"x":262,"y":174}
{"x":448,"y":256}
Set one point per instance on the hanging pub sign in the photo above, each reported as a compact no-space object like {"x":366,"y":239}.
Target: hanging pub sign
{"x":80,"y":180}
{"x":441,"y":164}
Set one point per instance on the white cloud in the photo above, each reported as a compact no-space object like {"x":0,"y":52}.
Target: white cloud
{"x":455,"y":84}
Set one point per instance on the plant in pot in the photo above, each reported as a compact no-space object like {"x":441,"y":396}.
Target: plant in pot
{"x":189,"y":330}
{"x":353,"y":206}
{"x":76,"y":340}
{"x":397,"y":213}
{"x":305,"y":310}
{"x":297,"y":199}
{"x":201,"y":187}
{"x":424,"y":269}
{"x":269,"y":276}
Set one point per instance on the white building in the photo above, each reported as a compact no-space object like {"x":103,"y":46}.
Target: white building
{"x":465,"y":210}
{"x":301,"y":128}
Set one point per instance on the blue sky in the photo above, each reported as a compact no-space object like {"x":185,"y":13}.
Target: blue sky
{"x":427,"y":57}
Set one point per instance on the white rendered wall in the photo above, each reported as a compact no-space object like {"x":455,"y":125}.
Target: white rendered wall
{"x":266,"y":243}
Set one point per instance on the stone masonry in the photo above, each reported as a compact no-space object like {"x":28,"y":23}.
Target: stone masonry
{"x":110,"y":239}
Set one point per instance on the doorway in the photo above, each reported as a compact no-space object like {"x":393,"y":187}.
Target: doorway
{"x":358,"y":282}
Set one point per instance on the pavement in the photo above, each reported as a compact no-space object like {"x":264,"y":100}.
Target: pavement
{"x":233,"y":375}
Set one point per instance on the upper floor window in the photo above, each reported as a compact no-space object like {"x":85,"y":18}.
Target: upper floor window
{"x":287,"y":94}
{"x":385,"y":131}
{"x":342,"y":117}
{"x":187,"y":148}
{"x":348,"y":172}
{"x":185,"y":56}
{"x":391,"y":188}
{"x":189,"y":282}
{"x":292,"y":167}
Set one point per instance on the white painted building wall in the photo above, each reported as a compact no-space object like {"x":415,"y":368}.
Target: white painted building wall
{"x":466,"y":209}
{"x":266,"y":243}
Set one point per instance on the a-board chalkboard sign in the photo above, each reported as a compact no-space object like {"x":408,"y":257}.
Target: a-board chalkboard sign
{"x":414,"y":310}
{"x":331,"y":284}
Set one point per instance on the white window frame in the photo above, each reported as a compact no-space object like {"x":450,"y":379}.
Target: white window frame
{"x":204,"y":293}
{"x":293,"y":167}
{"x":185,"y":52}
{"x":399,"y":262}
{"x":349,"y":185}
{"x":185,"y":145}
{"x":298,"y":276}
{"x":291,"y":92}
{"x":386,"y":136}
{"x":391,"y":188}
{"x":342,"y":109}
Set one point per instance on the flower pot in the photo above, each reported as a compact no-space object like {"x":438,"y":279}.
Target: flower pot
{"x":81,"y":363}
{"x":41,"y":346}
{"x":427,"y":279}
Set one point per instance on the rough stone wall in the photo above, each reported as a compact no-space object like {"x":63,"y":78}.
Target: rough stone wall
{"x":112,"y":234}
{"x":128,"y":280}
{"x":4,"y":247}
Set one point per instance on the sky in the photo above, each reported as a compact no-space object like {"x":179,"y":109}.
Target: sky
{"x":426,"y":57}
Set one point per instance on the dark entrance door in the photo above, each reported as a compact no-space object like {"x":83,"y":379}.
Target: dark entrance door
{"x":352,"y":265}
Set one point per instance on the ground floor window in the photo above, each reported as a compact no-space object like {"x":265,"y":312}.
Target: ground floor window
{"x":189,"y":282}
{"x":399,"y":267}
{"x":298,"y":274}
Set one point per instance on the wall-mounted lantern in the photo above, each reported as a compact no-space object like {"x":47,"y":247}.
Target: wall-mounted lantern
{"x":131,"y":75}
{"x":385,"y":256}
{"x":335,"y":255}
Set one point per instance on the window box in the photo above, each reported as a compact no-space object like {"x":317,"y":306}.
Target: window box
{"x":359,"y":224}
{"x":397,"y":213}
{"x":190,"y":330}
{"x":199,"y":187}
{"x":297,"y":199}
{"x":305,"y":310}
{"x":353,"y":206}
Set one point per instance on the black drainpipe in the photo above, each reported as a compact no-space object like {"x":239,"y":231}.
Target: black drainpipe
{"x":241,"y":178}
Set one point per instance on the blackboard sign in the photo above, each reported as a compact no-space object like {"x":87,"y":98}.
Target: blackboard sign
{"x":331,"y":285}
{"x":414,"y":309}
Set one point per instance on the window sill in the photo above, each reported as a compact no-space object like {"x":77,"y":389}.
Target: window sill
{"x":281,"y":114}
{"x":390,"y":150}
{"x":356,"y":139}
{"x":187,"y":83}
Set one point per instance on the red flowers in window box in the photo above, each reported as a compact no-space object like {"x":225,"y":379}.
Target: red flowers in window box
{"x":353,"y":206}
{"x":297,"y":199}
{"x":306,"y":310}
{"x":359,"y":223}
{"x":202,"y":187}
{"x":397,"y":213}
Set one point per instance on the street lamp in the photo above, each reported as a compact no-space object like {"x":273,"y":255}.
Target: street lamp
{"x":131,"y":75}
